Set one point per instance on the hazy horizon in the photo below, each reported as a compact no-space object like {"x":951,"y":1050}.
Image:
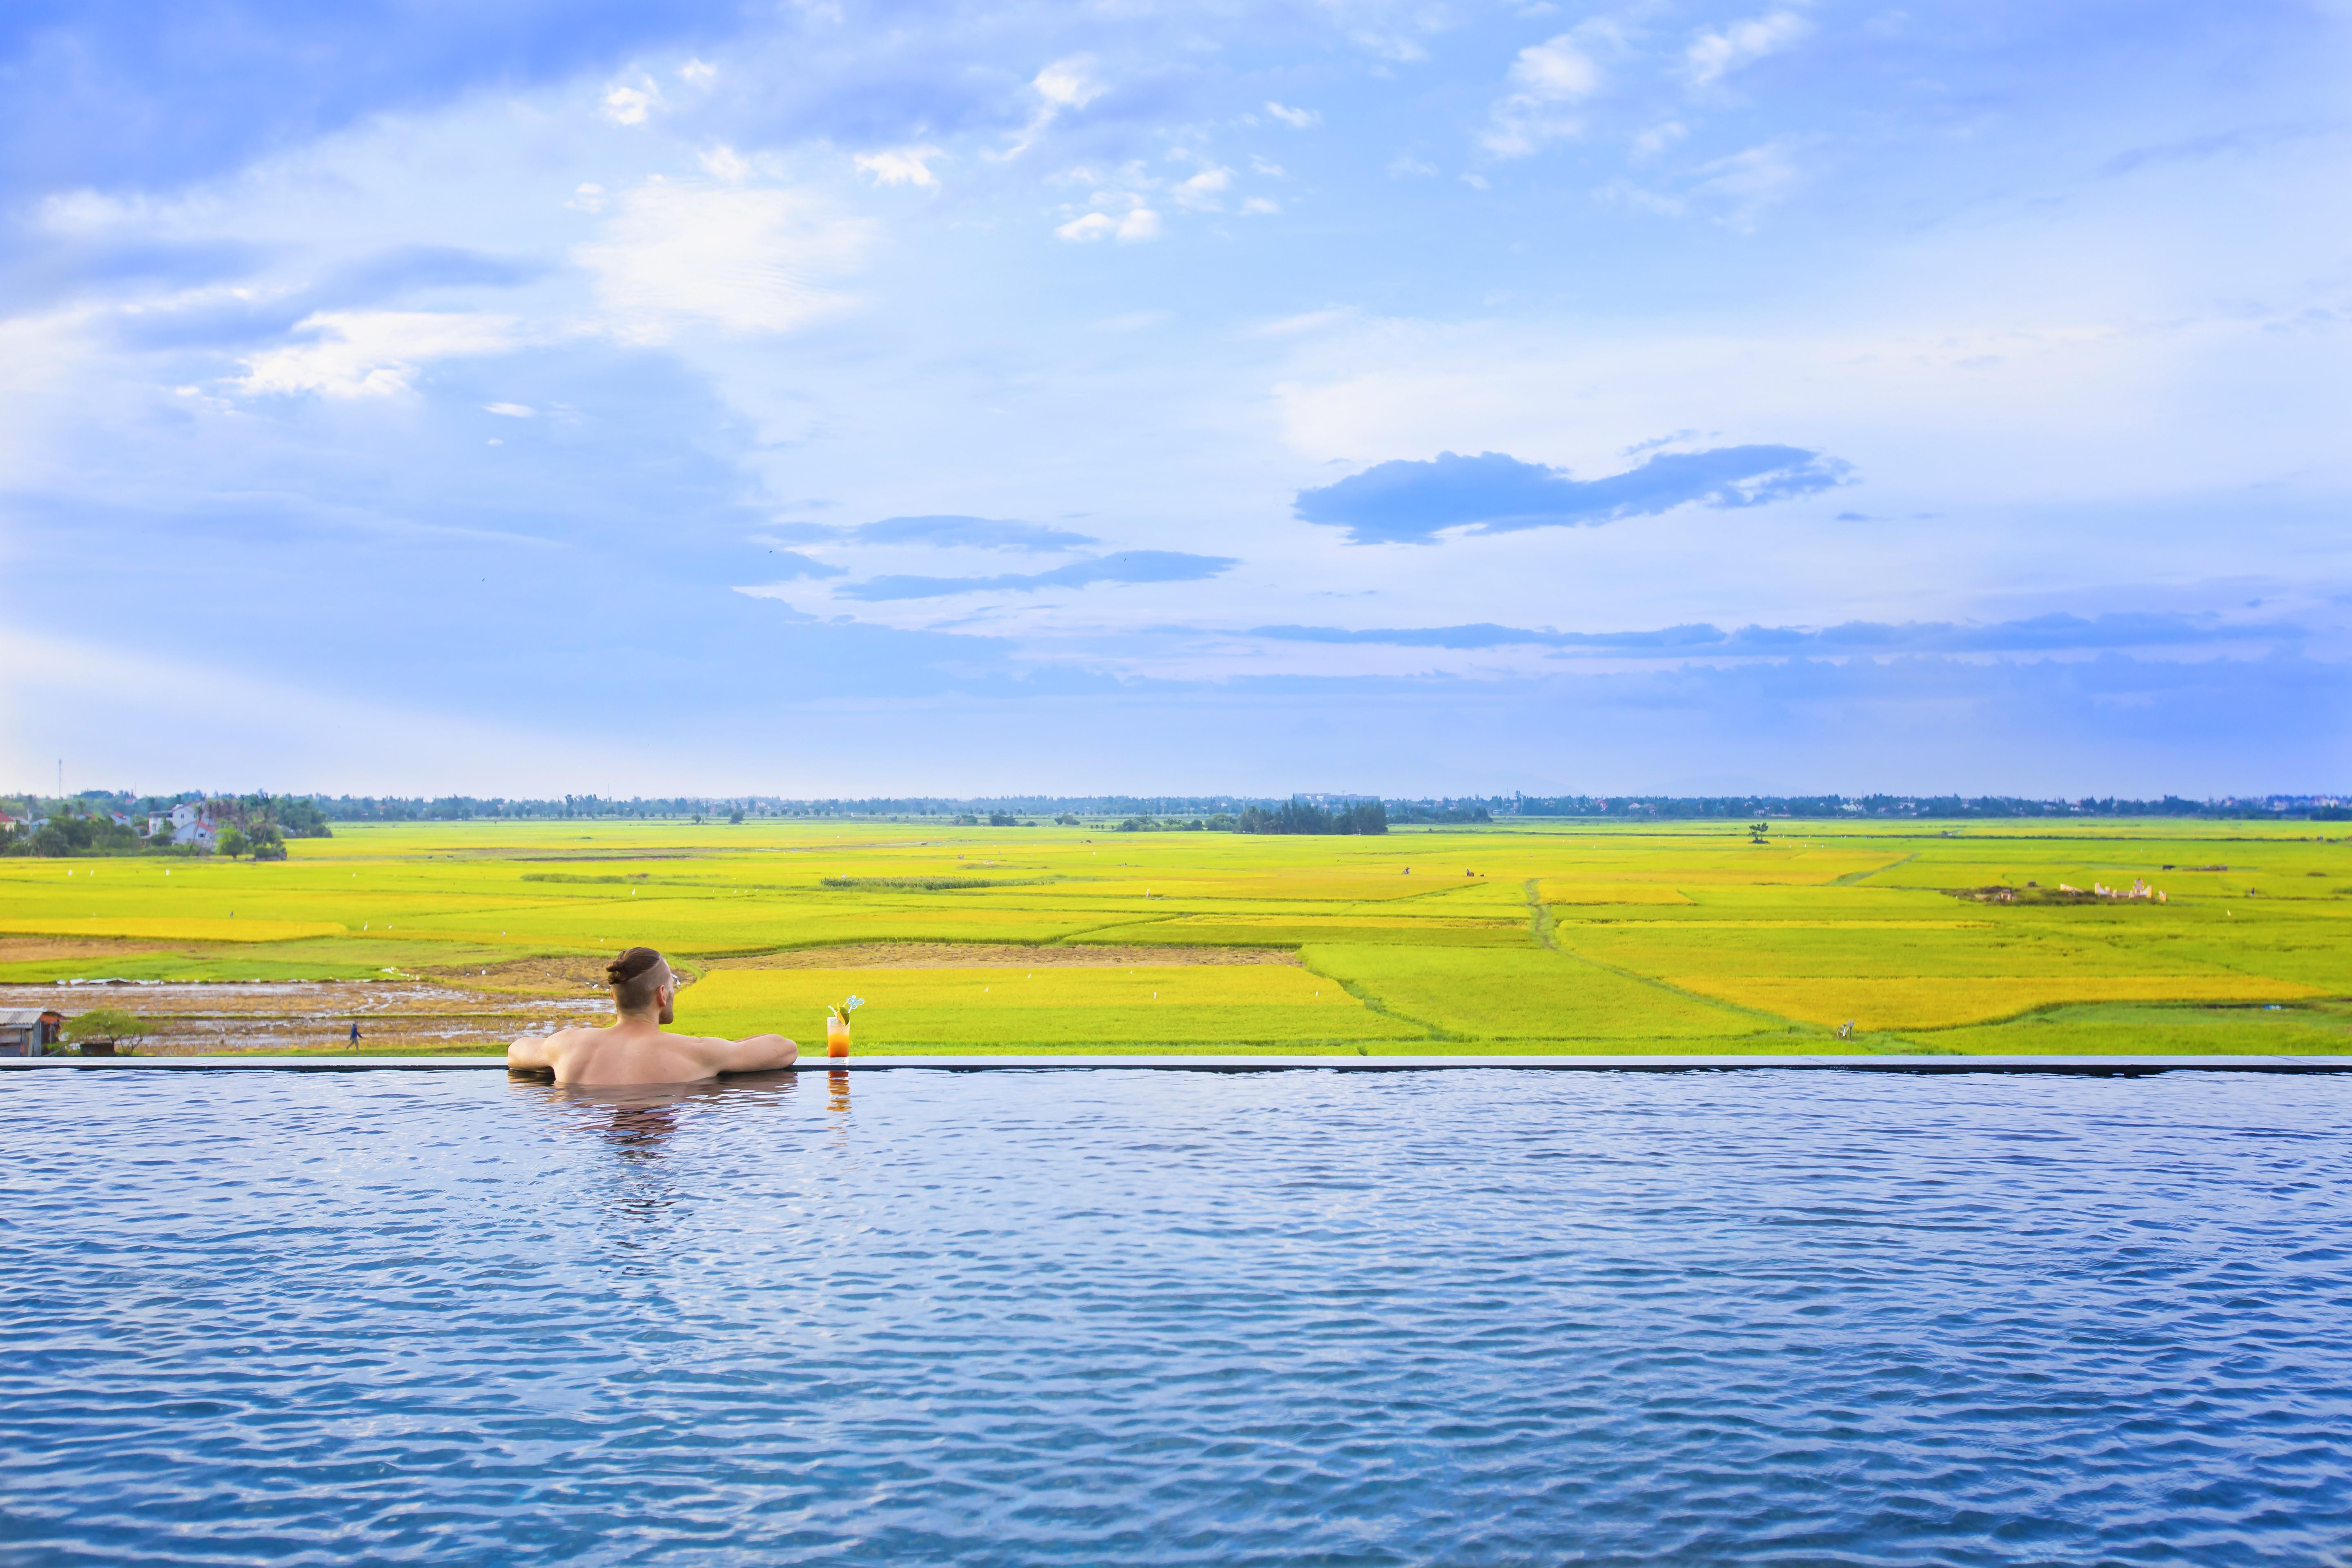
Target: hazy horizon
{"x":1174,"y":803}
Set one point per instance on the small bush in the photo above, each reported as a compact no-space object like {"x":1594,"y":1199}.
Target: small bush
{"x":105,"y":1025}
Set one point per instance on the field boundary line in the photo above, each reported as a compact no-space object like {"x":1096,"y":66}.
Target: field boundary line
{"x":1372,"y":1003}
{"x":1541,"y":921}
{"x":1545,"y":925}
{"x":1067,"y":937}
{"x":1439,"y":890}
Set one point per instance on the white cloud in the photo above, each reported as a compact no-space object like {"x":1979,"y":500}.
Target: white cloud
{"x":588,"y":198}
{"x":900,"y":166}
{"x":749,"y":260}
{"x":1296,"y":119}
{"x":1720,"y":51}
{"x":1625,"y":193}
{"x":723,"y":163}
{"x":1391,"y":46}
{"x":1405,"y":166}
{"x":698,"y":72}
{"x":629,"y":105}
{"x":1746,"y":183}
{"x":1138,"y":224}
{"x":511,"y":410}
{"x":1202,"y":189}
{"x":1070,"y":83}
{"x":1736,"y":189}
{"x":1093,"y":225}
{"x":1259,"y":205}
{"x":1546,"y":78}
{"x":1555,"y":71}
{"x":372,"y":353}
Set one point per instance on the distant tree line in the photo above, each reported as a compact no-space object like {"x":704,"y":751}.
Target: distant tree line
{"x":464,"y":809}
{"x":1305,"y":817}
{"x":1442,"y":811}
{"x":2318,"y":808}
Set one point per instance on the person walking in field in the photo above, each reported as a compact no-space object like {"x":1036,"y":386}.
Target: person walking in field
{"x":633,"y":1049}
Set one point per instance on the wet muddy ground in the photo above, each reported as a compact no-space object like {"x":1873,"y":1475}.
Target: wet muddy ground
{"x":480,"y":1009}
{"x":404,"y":1016}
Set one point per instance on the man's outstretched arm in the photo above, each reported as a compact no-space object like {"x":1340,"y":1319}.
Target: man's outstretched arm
{"x":531,"y":1051}
{"x":761,"y":1053}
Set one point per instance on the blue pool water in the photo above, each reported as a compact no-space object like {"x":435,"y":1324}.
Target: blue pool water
{"x":1180,"y":1318}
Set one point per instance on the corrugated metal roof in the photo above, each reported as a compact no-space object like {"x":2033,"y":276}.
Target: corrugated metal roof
{"x":20,"y":1017}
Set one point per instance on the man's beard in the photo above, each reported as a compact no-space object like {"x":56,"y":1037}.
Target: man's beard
{"x":666,"y":1014}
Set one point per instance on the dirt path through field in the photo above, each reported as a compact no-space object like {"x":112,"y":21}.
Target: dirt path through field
{"x":980,"y":955}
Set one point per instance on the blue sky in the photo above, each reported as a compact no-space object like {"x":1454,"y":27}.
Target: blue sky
{"x":1423,"y":398}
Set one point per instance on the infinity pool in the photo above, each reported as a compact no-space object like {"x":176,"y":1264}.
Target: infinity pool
{"x":1160,"y":1317}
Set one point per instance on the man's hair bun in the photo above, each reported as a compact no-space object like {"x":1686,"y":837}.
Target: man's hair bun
{"x":630,"y":964}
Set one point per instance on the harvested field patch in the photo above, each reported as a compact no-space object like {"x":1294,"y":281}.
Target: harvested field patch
{"x":55,"y":949}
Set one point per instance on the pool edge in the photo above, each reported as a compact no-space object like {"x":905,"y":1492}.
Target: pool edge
{"x":2098,"y":1066}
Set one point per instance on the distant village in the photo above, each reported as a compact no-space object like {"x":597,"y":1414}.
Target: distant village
{"x":255,"y":826}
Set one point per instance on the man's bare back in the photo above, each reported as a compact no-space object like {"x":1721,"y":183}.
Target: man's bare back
{"x":633,"y":1049}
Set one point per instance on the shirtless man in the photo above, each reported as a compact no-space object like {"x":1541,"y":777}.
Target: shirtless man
{"x":635,"y":1049}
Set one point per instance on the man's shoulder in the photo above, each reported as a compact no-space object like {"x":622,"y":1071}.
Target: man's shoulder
{"x":700,"y":1044}
{"x":557,"y":1042}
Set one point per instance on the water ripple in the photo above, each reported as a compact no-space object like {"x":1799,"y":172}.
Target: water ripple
{"x":1306,"y":1318}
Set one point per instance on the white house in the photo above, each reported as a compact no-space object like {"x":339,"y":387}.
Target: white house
{"x":190,"y":825}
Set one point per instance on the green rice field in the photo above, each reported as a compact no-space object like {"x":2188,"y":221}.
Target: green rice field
{"x":1527,"y":936}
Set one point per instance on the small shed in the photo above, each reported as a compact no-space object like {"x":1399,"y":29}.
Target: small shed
{"x":28,"y":1031}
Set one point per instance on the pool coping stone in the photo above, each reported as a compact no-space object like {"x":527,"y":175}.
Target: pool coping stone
{"x":2095,"y":1065}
